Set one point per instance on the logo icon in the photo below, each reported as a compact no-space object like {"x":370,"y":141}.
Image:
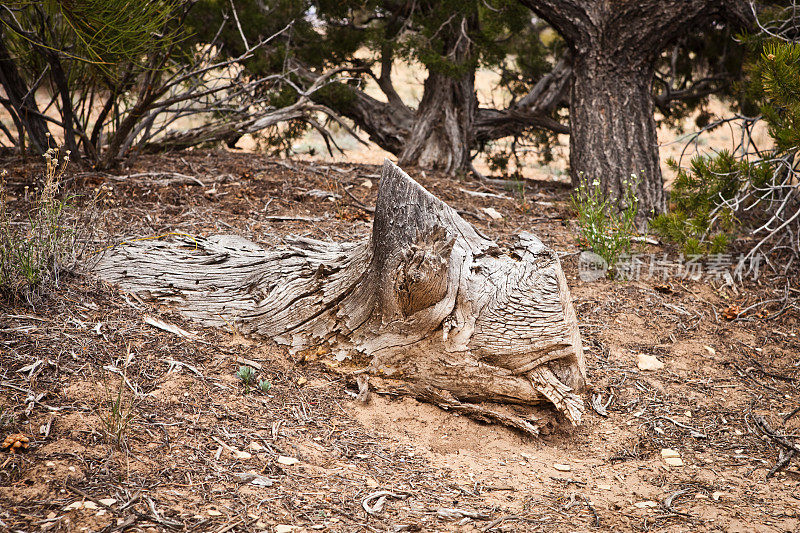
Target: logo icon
{"x":591,"y":266}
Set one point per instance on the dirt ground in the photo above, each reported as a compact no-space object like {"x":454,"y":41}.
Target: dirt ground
{"x":200,"y":453}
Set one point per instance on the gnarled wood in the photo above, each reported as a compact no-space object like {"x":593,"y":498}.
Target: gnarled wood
{"x":437,"y":309}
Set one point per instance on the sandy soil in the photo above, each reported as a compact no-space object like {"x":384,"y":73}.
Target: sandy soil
{"x":201,"y":454}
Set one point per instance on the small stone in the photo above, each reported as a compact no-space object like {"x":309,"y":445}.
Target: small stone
{"x":562,"y":467}
{"x":493,"y":213}
{"x":645,"y":505}
{"x":288,"y":461}
{"x":256,"y":447}
{"x":669,"y":452}
{"x":90,"y":505}
{"x":73,"y":506}
{"x":283,"y":528}
{"x":701,"y":496}
{"x":603,"y":486}
{"x":108,"y":501}
{"x":50,"y":463}
{"x":710,"y":350}
{"x":716,"y":495}
{"x":301,"y":381}
{"x":674,"y":461}
{"x":648,"y":362}
{"x":242,"y":455}
{"x":367,"y":184}
{"x":213,"y":512}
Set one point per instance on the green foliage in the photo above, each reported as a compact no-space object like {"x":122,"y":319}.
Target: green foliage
{"x":607,"y":231}
{"x":36,"y":248}
{"x":99,"y":58}
{"x":111,"y":32}
{"x":699,"y":216}
{"x":264,"y":385}
{"x":247,"y":375}
{"x":117,"y":413}
{"x":721,"y":197}
{"x":779,"y":69}
{"x":98,"y":35}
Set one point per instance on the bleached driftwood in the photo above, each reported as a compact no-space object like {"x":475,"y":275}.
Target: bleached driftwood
{"x":429,"y":307}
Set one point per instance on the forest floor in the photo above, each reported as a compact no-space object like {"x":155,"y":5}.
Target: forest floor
{"x":200,"y":453}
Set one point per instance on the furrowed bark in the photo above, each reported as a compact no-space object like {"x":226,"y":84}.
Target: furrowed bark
{"x":426,"y":305}
{"x":441,"y":136}
{"x":614,"y":46}
{"x":613,"y":132}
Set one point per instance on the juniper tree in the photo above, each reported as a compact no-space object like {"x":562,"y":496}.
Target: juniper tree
{"x":72,"y":49}
{"x":627,"y":57}
{"x":449,"y":38}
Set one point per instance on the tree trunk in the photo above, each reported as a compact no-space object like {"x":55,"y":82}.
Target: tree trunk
{"x":441,"y":136}
{"x":442,"y":133}
{"x":612,"y":130}
{"x":426,"y":306}
{"x":614,"y":46}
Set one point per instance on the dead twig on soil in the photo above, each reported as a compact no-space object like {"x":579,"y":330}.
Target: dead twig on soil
{"x":784,"y":456}
{"x":791,"y":414}
{"x":597,"y":405}
{"x":171,"y":524}
{"x":671,"y":498}
{"x":380,"y":498}
{"x":497,"y":521}
{"x":358,"y":203}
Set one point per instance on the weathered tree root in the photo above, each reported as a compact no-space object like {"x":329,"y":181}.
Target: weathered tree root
{"x":426,"y":299}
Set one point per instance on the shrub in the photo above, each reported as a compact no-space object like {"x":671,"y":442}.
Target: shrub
{"x":247,"y":376}
{"x":707,"y":200}
{"x":36,"y":247}
{"x":116,"y":413}
{"x":603,"y":228}
{"x":749,"y":192}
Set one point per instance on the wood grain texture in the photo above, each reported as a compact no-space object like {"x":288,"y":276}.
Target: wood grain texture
{"x":432,"y":306}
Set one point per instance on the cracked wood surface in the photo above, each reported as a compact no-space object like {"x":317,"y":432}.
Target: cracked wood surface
{"x":437,"y":310}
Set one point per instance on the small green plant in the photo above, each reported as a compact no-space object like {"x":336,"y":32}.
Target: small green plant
{"x":38,"y":246}
{"x":117,"y":413}
{"x":264,"y":385}
{"x":603,"y":228}
{"x":247,"y":376}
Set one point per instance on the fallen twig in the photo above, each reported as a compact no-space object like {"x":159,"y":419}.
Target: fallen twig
{"x":497,"y":521}
{"x":671,"y":498}
{"x":380,"y":501}
{"x":784,"y":458}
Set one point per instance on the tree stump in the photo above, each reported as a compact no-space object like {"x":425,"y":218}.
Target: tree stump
{"x":425,"y":307}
